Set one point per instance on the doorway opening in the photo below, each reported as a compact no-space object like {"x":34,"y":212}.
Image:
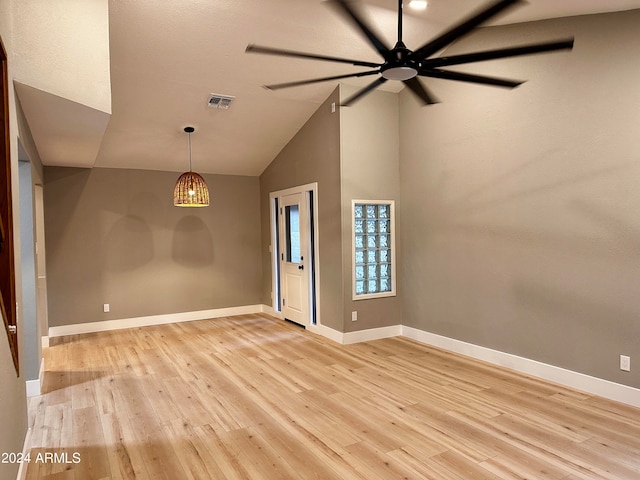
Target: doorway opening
{"x":294,"y":247}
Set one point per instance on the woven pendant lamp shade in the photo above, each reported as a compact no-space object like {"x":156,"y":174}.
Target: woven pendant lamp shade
{"x":191,"y":189}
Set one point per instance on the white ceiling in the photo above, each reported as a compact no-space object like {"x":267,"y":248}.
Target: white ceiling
{"x":167,"y":57}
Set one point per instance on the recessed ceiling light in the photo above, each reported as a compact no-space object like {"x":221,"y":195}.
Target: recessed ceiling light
{"x":418,"y":4}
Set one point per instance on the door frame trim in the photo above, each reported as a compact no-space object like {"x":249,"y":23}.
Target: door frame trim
{"x":314,"y":272}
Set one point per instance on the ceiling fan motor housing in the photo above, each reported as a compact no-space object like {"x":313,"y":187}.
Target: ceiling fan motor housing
{"x":398,"y":66}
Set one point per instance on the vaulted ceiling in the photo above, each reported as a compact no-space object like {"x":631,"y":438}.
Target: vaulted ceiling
{"x":166,"y":58}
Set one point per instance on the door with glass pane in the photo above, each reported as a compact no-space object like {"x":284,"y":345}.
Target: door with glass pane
{"x":294,"y":280}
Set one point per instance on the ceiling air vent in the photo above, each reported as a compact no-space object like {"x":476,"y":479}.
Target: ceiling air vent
{"x":220,"y":101}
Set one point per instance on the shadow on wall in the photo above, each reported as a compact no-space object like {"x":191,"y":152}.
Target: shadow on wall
{"x":192,"y":243}
{"x":579,"y":309}
{"x":129,"y":244}
{"x":624,"y":234}
{"x":490,"y":209}
{"x":499,"y":191}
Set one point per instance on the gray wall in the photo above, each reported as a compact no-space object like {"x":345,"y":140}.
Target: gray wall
{"x":113,"y":236}
{"x":370,"y":147}
{"x":33,"y":288}
{"x":32,"y":343}
{"x":523,"y":231}
{"x":313,"y":155}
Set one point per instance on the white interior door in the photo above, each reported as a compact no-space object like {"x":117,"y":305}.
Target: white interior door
{"x":294,"y":261}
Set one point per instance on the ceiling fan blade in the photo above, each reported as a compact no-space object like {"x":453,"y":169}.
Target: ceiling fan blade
{"x":278,"y":86}
{"x":356,"y":96}
{"x":462,"y":29}
{"x":469,"y":77}
{"x":566,"y":44}
{"x":311,"y":56}
{"x":373,"y":38}
{"x":420,"y":91}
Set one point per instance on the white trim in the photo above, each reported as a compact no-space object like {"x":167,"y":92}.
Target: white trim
{"x":33,"y":387}
{"x":358,"y":336}
{"x":596,"y":386}
{"x":268,"y":309}
{"x":107,"y":325}
{"x":293,"y":190}
{"x":392,"y":248}
{"x":45,"y":341}
{"x":22,"y":470}
{"x":315,"y":233}
{"x":327,"y":332}
{"x":275,"y":260}
{"x":371,"y":334}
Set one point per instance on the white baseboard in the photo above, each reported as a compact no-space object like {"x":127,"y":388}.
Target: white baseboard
{"x":147,"y":321}
{"x":327,"y":332}
{"x":371,"y":334}
{"x":269,"y":310}
{"x":34,"y":386}
{"x":579,"y":381}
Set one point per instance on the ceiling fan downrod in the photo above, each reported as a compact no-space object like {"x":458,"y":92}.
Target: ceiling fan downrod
{"x":397,"y":65}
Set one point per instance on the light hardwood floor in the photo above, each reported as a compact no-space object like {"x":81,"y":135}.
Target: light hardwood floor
{"x":253,"y":397}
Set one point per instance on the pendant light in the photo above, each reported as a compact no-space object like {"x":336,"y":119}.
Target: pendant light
{"x":191,"y":189}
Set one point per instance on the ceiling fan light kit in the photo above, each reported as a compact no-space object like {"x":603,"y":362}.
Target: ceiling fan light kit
{"x":405,"y":65}
{"x":399,"y":73}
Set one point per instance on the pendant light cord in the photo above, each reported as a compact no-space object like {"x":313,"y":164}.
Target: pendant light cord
{"x":190,"y":151}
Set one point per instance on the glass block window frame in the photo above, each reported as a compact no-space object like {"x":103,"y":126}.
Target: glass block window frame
{"x":373,"y":245}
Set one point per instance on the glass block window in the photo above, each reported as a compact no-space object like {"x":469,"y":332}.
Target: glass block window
{"x":373,"y":249}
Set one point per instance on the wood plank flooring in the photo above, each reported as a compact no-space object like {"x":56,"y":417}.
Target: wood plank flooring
{"x":252,"y":397}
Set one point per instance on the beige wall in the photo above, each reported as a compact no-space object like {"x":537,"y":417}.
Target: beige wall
{"x":113,"y":236}
{"x":370,"y":146}
{"x":521,"y":228}
{"x":313,"y":155}
{"x":13,"y":414}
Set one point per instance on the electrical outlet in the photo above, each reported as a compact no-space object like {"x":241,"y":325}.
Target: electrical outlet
{"x":106,"y":308}
{"x":625,"y":363}
{"x":354,"y":316}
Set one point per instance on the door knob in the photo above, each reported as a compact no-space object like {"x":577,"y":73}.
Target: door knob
{"x":300,"y":267}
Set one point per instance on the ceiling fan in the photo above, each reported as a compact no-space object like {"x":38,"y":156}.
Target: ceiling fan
{"x":405,"y":65}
